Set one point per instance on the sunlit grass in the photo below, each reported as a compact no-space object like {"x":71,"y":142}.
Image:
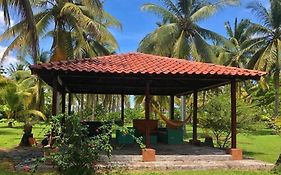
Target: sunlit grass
{"x":10,"y":137}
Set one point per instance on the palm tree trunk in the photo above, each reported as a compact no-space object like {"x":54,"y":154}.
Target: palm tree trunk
{"x":276,"y":87}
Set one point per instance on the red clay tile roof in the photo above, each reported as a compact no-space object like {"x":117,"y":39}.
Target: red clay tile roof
{"x":139,"y":63}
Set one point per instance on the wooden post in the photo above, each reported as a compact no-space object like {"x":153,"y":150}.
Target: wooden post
{"x":147,"y":114}
{"x":233,"y":114}
{"x":183,"y":113}
{"x":55,"y":97}
{"x":69,"y":103}
{"x":122,"y":109}
{"x":172,"y":107}
{"x":195,"y":99}
{"x":63,"y":102}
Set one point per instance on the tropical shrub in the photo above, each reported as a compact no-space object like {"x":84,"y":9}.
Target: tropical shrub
{"x":215,"y":116}
{"x":77,"y":152}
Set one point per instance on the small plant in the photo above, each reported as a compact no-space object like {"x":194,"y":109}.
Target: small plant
{"x":76,"y":151}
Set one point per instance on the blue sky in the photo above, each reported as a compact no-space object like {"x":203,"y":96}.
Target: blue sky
{"x":136,"y":23}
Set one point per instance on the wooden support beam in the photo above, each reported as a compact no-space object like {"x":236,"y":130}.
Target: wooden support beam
{"x":172,"y":107}
{"x":122,"y":108}
{"x":69,"y":103}
{"x":233,"y":114}
{"x":63,"y":103}
{"x":195,"y":102}
{"x":147,"y":113}
{"x":183,"y":112}
{"x":147,"y":101}
{"x":55,"y":98}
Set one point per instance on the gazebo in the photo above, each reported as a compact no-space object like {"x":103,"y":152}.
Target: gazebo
{"x":141,"y":74}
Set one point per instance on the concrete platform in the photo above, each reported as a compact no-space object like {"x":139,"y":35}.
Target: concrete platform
{"x":179,"y":157}
{"x":168,"y":157}
{"x":191,"y":165}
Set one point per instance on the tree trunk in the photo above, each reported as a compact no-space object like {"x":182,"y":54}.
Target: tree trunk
{"x":276,"y":87}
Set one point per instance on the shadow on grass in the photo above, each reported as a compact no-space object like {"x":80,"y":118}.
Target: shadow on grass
{"x":14,"y":127}
{"x":250,"y":154}
{"x":2,"y":133}
{"x":262,"y":132}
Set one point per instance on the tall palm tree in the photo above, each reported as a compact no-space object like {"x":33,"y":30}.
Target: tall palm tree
{"x":179,"y":34}
{"x":238,"y":51}
{"x":29,"y":29}
{"x":78,"y":27}
{"x":268,"y":37}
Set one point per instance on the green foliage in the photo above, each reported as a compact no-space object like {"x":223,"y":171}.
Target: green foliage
{"x":216,"y":117}
{"x":77,"y":151}
{"x":17,"y":97}
{"x":133,"y":113}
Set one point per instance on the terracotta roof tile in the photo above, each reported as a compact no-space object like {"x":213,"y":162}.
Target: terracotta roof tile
{"x":139,"y":63}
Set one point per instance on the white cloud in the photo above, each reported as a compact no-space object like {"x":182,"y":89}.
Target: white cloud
{"x":9,"y":59}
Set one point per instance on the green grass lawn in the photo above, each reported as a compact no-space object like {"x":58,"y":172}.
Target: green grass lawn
{"x":10,"y":137}
{"x":261,"y":147}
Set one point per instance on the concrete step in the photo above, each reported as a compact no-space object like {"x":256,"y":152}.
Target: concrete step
{"x":160,"y":158}
{"x":192,"y":165}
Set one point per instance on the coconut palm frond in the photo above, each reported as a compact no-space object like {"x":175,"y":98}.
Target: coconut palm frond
{"x":101,"y":49}
{"x":204,"y":12}
{"x":253,"y":61}
{"x":83,"y":45}
{"x":146,"y":45}
{"x":4,"y":4}
{"x":110,"y":21}
{"x":275,"y":10}
{"x":260,"y":30}
{"x":159,"y":11}
{"x":181,"y":48}
{"x":228,"y":29}
{"x":172,"y":7}
{"x":82,"y":20}
{"x":203,"y":49}
{"x":25,"y":9}
{"x":44,"y":22}
{"x":32,"y":112}
{"x":209,"y":35}
{"x":16,"y":44}
{"x":261,"y":12}
{"x":13,"y":31}
{"x":185,"y":6}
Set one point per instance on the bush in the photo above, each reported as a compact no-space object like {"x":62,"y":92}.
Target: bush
{"x":216,"y":117}
{"x":77,"y":152}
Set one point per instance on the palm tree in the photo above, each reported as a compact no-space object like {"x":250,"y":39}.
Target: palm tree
{"x":80,"y":24}
{"x":238,"y":51}
{"x":179,"y":35}
{"x":17,"y":96}
{"x":29,"y":29}
{"x":268,"y":38}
